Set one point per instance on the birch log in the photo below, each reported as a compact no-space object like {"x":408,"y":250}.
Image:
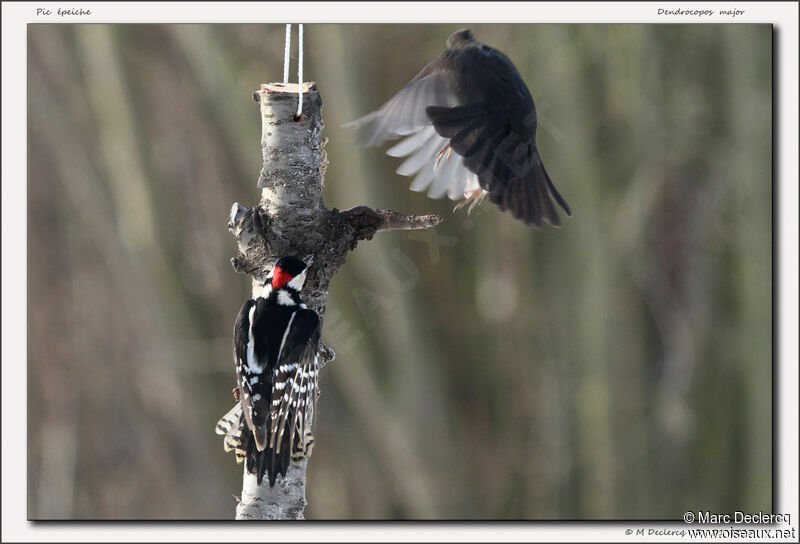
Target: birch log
{"x":291,"y":219}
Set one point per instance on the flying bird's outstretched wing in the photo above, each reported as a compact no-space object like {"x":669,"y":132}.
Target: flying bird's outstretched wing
{"x":404,"y":113}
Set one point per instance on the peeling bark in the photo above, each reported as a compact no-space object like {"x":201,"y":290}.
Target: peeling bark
{"x":291,"y":219}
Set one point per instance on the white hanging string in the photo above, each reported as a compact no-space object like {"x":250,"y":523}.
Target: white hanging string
{"x":286,"y":47}
{"x":300,"y":71}
{"x":286,"y":51}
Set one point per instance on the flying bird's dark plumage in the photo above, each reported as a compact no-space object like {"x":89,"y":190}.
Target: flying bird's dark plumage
{"x":470,"y":130}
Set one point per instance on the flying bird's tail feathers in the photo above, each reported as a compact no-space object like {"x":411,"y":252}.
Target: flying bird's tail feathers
{"x":554,"y":192}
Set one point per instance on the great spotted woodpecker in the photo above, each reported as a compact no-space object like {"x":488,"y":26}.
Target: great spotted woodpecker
{"x":276,"y":351}
{"x":470,"y":127}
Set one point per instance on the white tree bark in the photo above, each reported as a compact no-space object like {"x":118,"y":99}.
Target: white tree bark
{"x":291,"y":219}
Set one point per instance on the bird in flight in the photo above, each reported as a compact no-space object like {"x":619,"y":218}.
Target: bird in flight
{"x":275,"y":348}
{"x":468,"y":124}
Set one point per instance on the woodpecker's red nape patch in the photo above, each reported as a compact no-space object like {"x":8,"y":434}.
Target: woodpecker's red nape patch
{"x":280,"y":277}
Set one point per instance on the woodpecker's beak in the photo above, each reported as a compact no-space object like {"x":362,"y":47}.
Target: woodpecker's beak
{"x":308,"y":260}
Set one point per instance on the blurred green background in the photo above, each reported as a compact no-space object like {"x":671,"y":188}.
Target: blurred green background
{"x":616,"y":368}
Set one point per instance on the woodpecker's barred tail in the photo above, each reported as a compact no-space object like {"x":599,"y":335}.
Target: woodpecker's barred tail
{"x":242,"y":443}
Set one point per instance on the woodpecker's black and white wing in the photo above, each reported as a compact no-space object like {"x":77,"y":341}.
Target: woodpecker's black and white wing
{"x":294,"y":393}
{"x":276,"y":353}
{"x":251,"y":340}
{"x":469,"y":124}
